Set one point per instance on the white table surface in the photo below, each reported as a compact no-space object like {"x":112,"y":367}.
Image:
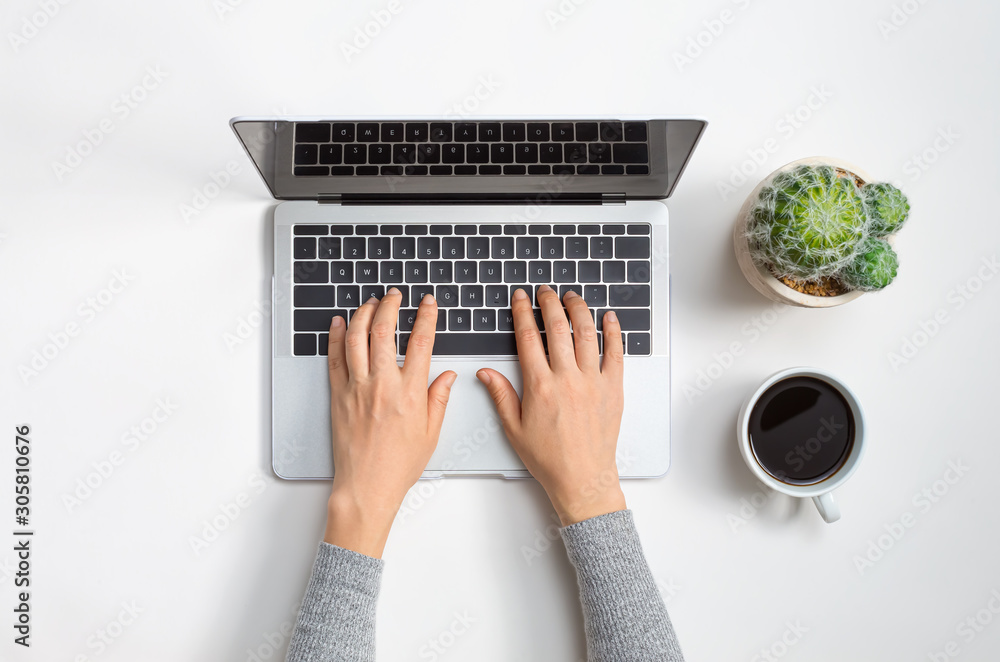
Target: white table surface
{"x":740,"y":578}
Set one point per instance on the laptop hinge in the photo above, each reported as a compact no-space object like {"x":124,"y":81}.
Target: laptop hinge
{"x":472,"y":199}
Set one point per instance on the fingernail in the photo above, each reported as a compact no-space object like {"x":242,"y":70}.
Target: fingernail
{"x":484,"y":377}
{"x":337,"y":322}
{"x":393,"y":291}
{"x":570,"y":294}
{"x":427,"y":300}
{"x":611,"y":317}
{"x":519,"y":294}
{"x":544,"y":288}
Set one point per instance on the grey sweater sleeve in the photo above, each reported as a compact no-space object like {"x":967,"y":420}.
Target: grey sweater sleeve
{"x":624,"y":615}
{"x":337,"y":620}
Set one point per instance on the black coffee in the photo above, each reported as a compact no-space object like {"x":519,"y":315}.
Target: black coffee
{"x":801,"y":430}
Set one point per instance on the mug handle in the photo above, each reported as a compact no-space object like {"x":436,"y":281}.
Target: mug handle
{"x":827,"y":507}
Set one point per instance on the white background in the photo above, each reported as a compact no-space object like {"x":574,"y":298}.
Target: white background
{"x":737,"y":577}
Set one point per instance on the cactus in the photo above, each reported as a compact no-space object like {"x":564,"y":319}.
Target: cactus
{"x":808,"y":224}
{"x":874,"y":267}
{"x":887,"y":208}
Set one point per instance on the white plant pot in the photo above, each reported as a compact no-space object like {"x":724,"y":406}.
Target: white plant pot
{"x":760,"y":277}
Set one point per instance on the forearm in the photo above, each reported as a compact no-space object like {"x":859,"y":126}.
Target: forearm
{"x":624,"y":615}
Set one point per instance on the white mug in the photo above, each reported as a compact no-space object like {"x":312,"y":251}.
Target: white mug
{"x":822,"y":491}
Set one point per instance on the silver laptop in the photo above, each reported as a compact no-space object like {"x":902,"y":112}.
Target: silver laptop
{"x":467,"y":210}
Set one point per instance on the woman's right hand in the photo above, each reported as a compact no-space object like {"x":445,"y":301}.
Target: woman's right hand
{"x":565,"y":428}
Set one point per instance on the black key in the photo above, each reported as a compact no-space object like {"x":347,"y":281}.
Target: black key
{"x":539,"y":170}
{"x":416,"y":132}
{"x":539,"y":272}
{"x":417,"y":293}
{"x":314,"y":296}
{"x":442,"y":323}
{"x":489,"y":132}
{"x":369,"y":291}
{"x":502,"y":153}
{"x":343,"y":132}
{"x":576,"y":153}
{"x":391,"y":272}
{"x":478,"y":247}
{"x":310,"y":229}
{"x":515,"y":271}
{"x":304,"y":248}
{"x":638,"y":271}
{"x":539,"y":229}
{"x":564,"y":229}
{"x":465,"y":170}
{"x":447,"y":295}
{"x":439,"y":230}
{"x":416,"y":272}
{"x":458,"y":344}
{"x":505,"y":320}
{"x":441,"y":132}
{"x":366,"y":272}
{"x":539,"y":321}
{"x":612,"y":170}
{"x":340,"y":229}
{"x":379,"y":248}
{"x":324,"y":344}
{"x":502,"y":248}
{"x":477,"y":153}
{"x":602,"y":247}
{"x":496,"y":295}
{"x":331,"y":154}
{"x":563,"y":169}
{"x":441,"y":272}
{"x":429,"y":153}
{"x":311,"y":272}
{"x":349,"y":296}
{"x":355,"y":154}
{"x":306,"y":154}
{"x":562,"y":131}
{"x":329,"y":248}
{"x":514,"y":131}
{"x":515,"y":229}
{"x":392,"y":132}
{"x":490,"y":170}
{"x":588,"y":170}
{"x":453,"y":248}
{"x":613,"y":229}
{"x":367,"y":170}
{"x":635,"y":131}
{"x":538,"y":132}
{"x":304,"y":344}
{"x":563,"y":289}
{"x":415,"y":230}
{"x":391,"y":170}
{"x":636,"y":170}
{"x":404,"y":154}
{"x":588,"y":229}
{"x":626,"y":247}
{"x":526,"y":153}
{"x":527,"y":248}
{"x":599,"y":152}
{"x":631,"y":153}
{"x":341,"y":272}
{"x":611,"y":131}
{"x":564,"y":271}
{"x":638,"y":228}
{"x":576,"y":247}
{"x":552,"y":248}
{"x":614,"y":272}
{"x":404,"y":248}
{"x":586,"y":130}
{"x":628,"y":295}
{"x":414,"y":170}
{"x":637,"y":344}
{"x":453,"y":153}
{"x":354,"y":248}
{"x":465,"y":271}
{"x":588,"y":271}
{"x":551,"y":153}
{"x":428,"y":248}
{"x":490,"y":229}
{"x":514,"y":170}
{"x":630,"y":319}
{"x":316,"y":320}
{"x":407,"y":316}
{"x":465,"y":132}
{"x":595,"y":295}
{"x":484,"y":320}
{"x":527,"y":289}
{"x":312,"y":132}
{"x":490,"y":271}
{"x":339,"y":171}
{"x":379,"y":153}
{"x":368,"y":132}
{"x":472,"y":296}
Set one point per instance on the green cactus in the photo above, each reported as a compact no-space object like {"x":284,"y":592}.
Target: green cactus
{"x":874,"y":268}
{"x":887,"y":207}
{"x":808,"y":224}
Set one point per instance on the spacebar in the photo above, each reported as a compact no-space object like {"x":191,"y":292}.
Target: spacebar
{"x":458,"y":344}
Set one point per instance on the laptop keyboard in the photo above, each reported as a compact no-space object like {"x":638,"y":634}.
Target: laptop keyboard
{"x":345,"y":149}
{"x":472,"y":270}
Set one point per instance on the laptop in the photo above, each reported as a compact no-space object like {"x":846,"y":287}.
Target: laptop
{"x":468,"y":210}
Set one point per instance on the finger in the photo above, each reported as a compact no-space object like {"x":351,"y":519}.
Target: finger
{"x":421,"y":343}
{"x":335,"y":358}
{"x":614,"y":351}
{"x":383,"y":347}
{"x":356,"y":340}
{"x":556,"y":328}
{"x":584,"y":332}
{"x":529,"y":342}
{"x":504,"y":397}
{"x":437,"y":401}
